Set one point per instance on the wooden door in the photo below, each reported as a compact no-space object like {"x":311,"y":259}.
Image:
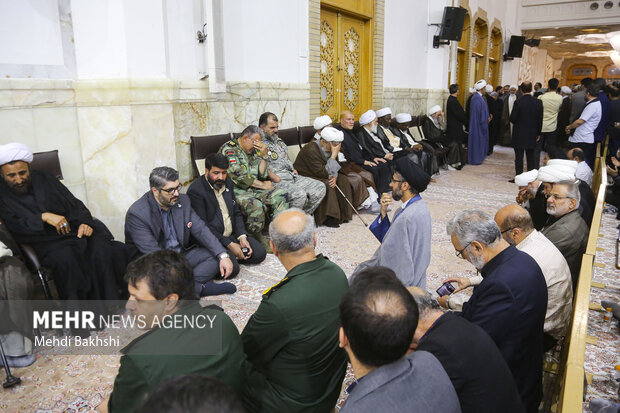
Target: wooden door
{"x":345,"y":64}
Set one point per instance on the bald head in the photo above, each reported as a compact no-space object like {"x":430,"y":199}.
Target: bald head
{"x":514,"y":222}
{"x":292,"y":230}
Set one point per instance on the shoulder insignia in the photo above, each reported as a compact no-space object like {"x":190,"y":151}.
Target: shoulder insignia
{"x":230,"y":152}
{"x":231,"y":143}
{"x":271,"y":289}
{"x":274,"y":156}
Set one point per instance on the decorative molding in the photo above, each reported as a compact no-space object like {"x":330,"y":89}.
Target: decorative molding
{"x":565,"y":13}
{"x":377,"y":25}
{"x":314,"y":58}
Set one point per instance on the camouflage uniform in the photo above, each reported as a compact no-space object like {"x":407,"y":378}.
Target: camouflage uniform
{"x":305,"y":193}
{"x":254,"y":203}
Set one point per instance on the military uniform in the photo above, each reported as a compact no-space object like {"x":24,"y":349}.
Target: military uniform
{"x":167,"y":352}
{"x":255,"y":203}
{"x":306,"y":193}
{"x":292,"y":342}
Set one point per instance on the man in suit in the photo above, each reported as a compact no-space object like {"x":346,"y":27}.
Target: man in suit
{"x":568,"y":231}
{"x":161,"y":288}
{"x":213,"y":199}
{"x":563,"y":117}
{"x":163,"y":218}
{"x":456,"y":121}
{"x":526,"y":116}
{"x":433,"y":131}
{"x":509,"y":304}
{"x":505,"y":126}
{"x":378,"y":319}
{"x":291,"y":340}
{"x":463,"y":349}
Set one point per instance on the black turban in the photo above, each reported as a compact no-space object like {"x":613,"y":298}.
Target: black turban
{"x":413,"y":174}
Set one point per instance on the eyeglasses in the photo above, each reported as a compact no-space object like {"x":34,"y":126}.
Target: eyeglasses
{"x":556,"y":196}
{"x":509,"y":229}
{"x":395,"y":180}
{"x":459,"y":252}
{"x":171,"y":190}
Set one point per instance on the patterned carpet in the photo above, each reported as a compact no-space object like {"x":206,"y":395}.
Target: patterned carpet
{"x":79,"y":383}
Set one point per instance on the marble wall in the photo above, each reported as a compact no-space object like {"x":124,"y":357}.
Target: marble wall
{"x":414,"y":101}
{"x":111,"y":133}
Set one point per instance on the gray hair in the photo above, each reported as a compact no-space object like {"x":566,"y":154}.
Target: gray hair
{"x":251,"y":130}
{"x":474,"y":225}
{"x":520,"y":219}
{"x":161,"y":175}
{"x":426,"y":304}
{"x":293,"y":242}
{"x":572,"y":190}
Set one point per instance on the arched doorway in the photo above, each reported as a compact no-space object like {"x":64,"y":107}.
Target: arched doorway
{"x":495,"y":53}
{"x":462,"y":61}
{"x":479,"y":51}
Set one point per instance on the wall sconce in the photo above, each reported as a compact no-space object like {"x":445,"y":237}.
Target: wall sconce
{"x":201,"y":35}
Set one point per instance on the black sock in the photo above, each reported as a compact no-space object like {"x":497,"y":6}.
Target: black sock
{"x":211,"y":288}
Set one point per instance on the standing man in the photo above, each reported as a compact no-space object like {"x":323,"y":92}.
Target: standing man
{"x":304,"y":193}
{"x":406,"y":242}
{"x":579,"y":99}
{"x":39,"y":210}
{"x":506,"y":126}
{"x":511,"y":301}
{"x":291,"y":340}
{"x":563,"y":117}
{"x":258,"y":198}
{"x":213,"y":199}
{"x":478,"y":142}
{"x":527,"y":117}
{"x":585,"y":125}
{"x":456,"y":120}
{"x":163,"y":219}
{"x":551,"y":102}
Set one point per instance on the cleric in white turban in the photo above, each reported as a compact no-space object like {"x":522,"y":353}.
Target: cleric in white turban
{"x":331,"y":134}
{"x":566,"y":90}
{"x":14,"y":151}
{"x":384,"y":112}
{"x":488,"y":88}
{"x":434,"y":110}
{"x":403,"y":118}
{"x":321,"y":122}
{"x":567,"y":163}
{"x":367,"y":117}
{"x":478,"y":139}
{"x":526,"y":177}
{"x":480,"y":84}
{"x":556,"y":173}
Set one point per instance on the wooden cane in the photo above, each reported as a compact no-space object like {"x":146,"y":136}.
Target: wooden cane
{"x":351,"y":205}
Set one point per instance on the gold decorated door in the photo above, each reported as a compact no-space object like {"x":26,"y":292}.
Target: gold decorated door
{"x":345,"y":65}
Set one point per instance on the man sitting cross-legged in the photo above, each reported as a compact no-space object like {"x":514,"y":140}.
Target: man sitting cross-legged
{"x":161,"y":293}
{"x":213,"y":198}
{"x":163,"y":218}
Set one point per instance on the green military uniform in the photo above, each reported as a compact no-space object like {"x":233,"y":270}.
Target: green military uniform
{"x":292,"y":342}
{"x":255,"y":204}
{"x":167,"y":352}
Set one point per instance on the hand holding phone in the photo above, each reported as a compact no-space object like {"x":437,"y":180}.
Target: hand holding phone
{"x":446,"y":289}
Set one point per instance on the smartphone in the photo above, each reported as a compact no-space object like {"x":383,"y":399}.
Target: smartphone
{"x":446,"y":289}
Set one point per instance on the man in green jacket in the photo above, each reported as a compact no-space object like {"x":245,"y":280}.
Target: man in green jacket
{"x":159,"y":283}
{"x":292,"y":339}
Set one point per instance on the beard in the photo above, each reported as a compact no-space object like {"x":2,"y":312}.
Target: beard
{"x":373,"y":129}
{"x":397,"y":194}
{"x":551,"y":210}
{"x":217,"y":184}
{"x":477,"y":262}
{"x":21,"y":189}
{"x":532,"y":191}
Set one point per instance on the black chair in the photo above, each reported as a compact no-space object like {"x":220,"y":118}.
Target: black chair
{"x":47,"y":161}
{"x":306,"y":133}
{"x":201,"y":146}
{"x":290,"y":136}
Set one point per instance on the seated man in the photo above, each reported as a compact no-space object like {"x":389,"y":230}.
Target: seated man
{"x":15,"y":287}
{"x":511,"y":301}
{"x":407,"y":140}
{"x":161,"y":285}
{"x":304,"y":193}
{"x":258,"y":198}
{"x":213,"y":199}
{"x":583,"y":173}
{"x":163,"y":218}
{"x":406,"y":243}
{"x":39,"y":210}
{"x":292,"y":338}
{"x":433,"y":130}
{"x":478,"y":372}
{"x":378,"y":318}
{"x":588,"y":200}
{"x":415,"y":153}
{"x":364,"y":194}
{"x":359,"y":158}
{"x":369,"y":140}
{"x":318,"y":160}
{"x":567,"y":230}
{"x":532,"y":197}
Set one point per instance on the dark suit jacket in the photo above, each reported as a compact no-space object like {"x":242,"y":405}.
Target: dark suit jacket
{"x":352,"y":148}
{"x":455,"y":120}
{"x":369,"y":145}
{"x":563,"y":120}
{"x":204,"y":203}
{"x":478,"y":372}
{"x":510,"y":305}
{"x":383,"y":137}
{"x":527,"y":117}
{"x":538,"y":209}
{"x":144,"y":228}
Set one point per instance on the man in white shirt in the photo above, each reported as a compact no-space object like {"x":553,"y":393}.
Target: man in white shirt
{"x":551,"y":107}
{"x":583,"y":172}
{"x":584,"y":127}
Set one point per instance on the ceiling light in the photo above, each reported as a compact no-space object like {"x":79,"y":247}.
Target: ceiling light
{"x":547,"y":37}
{"x":615,"y":42}
{"x":589,"y":30}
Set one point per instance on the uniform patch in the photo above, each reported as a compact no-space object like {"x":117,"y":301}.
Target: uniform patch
{"x":189,"y":224}
{"x":231,"y":143}
{"x":274,"y":156}
{"x":230,"y":152}
{"x":232,"y":160}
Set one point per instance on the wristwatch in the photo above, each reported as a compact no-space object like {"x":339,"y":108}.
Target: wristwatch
{"x":223,"y":255}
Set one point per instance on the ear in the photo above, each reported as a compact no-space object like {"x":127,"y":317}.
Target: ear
{"x":154,"y":190}
{"x":171,"y":302}
{"x":273,"y":248}
{"x":476,"y":246}
{"x":343,"y":341}
{"x":314,"y":240}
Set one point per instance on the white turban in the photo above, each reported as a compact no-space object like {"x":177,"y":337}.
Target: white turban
{"x":480,"y":84}
{"x":14,"y":152}
{"x":472,"y":90}
{"x":403,"y":118}
{"x":332,"y":134}
{"x":514,"y":87}
{"x":555,"y":173}
{"x":434,"y":110}
{"x":567,"y":163}
{"x":488,"y":88}
{"x":383,"y":112}
{"x":566,"y":89}
{"x":321,"y":122}
{"x":526,"y":177}
{"x":367,"y":117}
